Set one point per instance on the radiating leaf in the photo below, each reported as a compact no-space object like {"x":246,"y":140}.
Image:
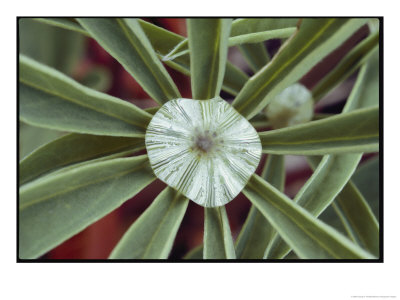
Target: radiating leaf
{"x":195,"y":253}
{"x":208,"y":45}
{"x":256,"y":232}
{"x":309,"y":237}
{"x":319,"y":191}
{"x":55,"y":208}
{"x":365,"y":92}
{"x":315,"y":39}
{"x":125,"y":40}
{"x":367,"y":180}
{"x":164,"y":41}
{"x":72,"y":149}
{"x":32,"y":137}
{"x":347,"y":65}
{"x":218,"y":242}
{"x":256,"y":55}
{"x":254,"y":25}
{"x":52,"y":100}
{"x":258,"y":37}
{"x":152,"y":235}
{"x":66,"y":23}
{"x":353,"y":132}
{"x":53,"y":46}
{"x":360,"y":216}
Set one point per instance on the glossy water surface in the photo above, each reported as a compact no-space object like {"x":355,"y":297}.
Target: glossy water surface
{"x":205,"y":149}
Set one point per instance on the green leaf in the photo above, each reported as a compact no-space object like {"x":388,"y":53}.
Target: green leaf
{"x":254,"y":25}
{"x":315,"y":39}
{"x":72,"y":149}
{"x":52,"y":100}
{"x":125,"y":40}
{"x":365,"y":92}
{"x":208,"y":45}
{"x":152,"y":235}
{"x":261,"y":36}
{"x":360,"y":217}
{"x":256,"y":55}
{"x":31,"y":137}
{"x":53,"y":46}
{"x":367,"y":180}
{"x":195,"y":253}
{"x":333,"y":172}
{"x":353,"y":132}
{"x":256,"y":232}
{"x":309,"y":237}
{"x":163,"y":42}
{"x":218,"y":242}
{"x":55,"y":208}
{"x":66,"y":23}
{"x":347,"y":65}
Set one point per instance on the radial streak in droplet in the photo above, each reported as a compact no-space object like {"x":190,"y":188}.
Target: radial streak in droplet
{"x":205,"y":149}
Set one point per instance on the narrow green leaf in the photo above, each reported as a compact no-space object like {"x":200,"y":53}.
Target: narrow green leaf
{"x":315,"y":39}
{"x":66,"y":23}
{"x":258,"y":37}
{"x":72,"y":149}
{"x":256,"y":232}
{"x":195,"y":253}
{"x":31,"y":137}
{"x":353,"y":132}
{"x":52,"y":100}
{"x":309,"y":237}
{"x":367,"y":180}
{"x":125,"y":40}
{"x":256,"y":55}
{"x":360,"y":217}
{"x":333,"y":172}
{"x":55,"y":208}
{"x":53,"y":46}
{"x":347,"y":65}
{"x":218,"y":242}
{"x":208,"y":45}
{"x":365,"y":92}
{"x":163,"y":42}
{"x":254,"y":25}
{"x":152,"y":235}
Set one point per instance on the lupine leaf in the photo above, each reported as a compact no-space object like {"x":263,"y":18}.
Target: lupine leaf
{"x":315,"y":39}
{"x":319,"y":191}
{"x":53,"y":46}
{"x":72,"y":149}
{"x":152,"y":235}
{"x":367,"y":180}
{"x":254,"y":25}
{"x":195,"y":253}
{"x":55,"y":208}
{"x":164,"y":41}
{"x":256,"y":232}
{"x":208,"y":45}
{"x":353,"y":132}
{"x":218,"y":242}
{"x":125,"y":40}
{"x":347,"y":65}
{"x":309,"y":237}
{"x":256,"y":55}
{"x":32,"y":137}
{"x":66,"y":23}
{"x":52,"y":100}
{"x":360,"y":217}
